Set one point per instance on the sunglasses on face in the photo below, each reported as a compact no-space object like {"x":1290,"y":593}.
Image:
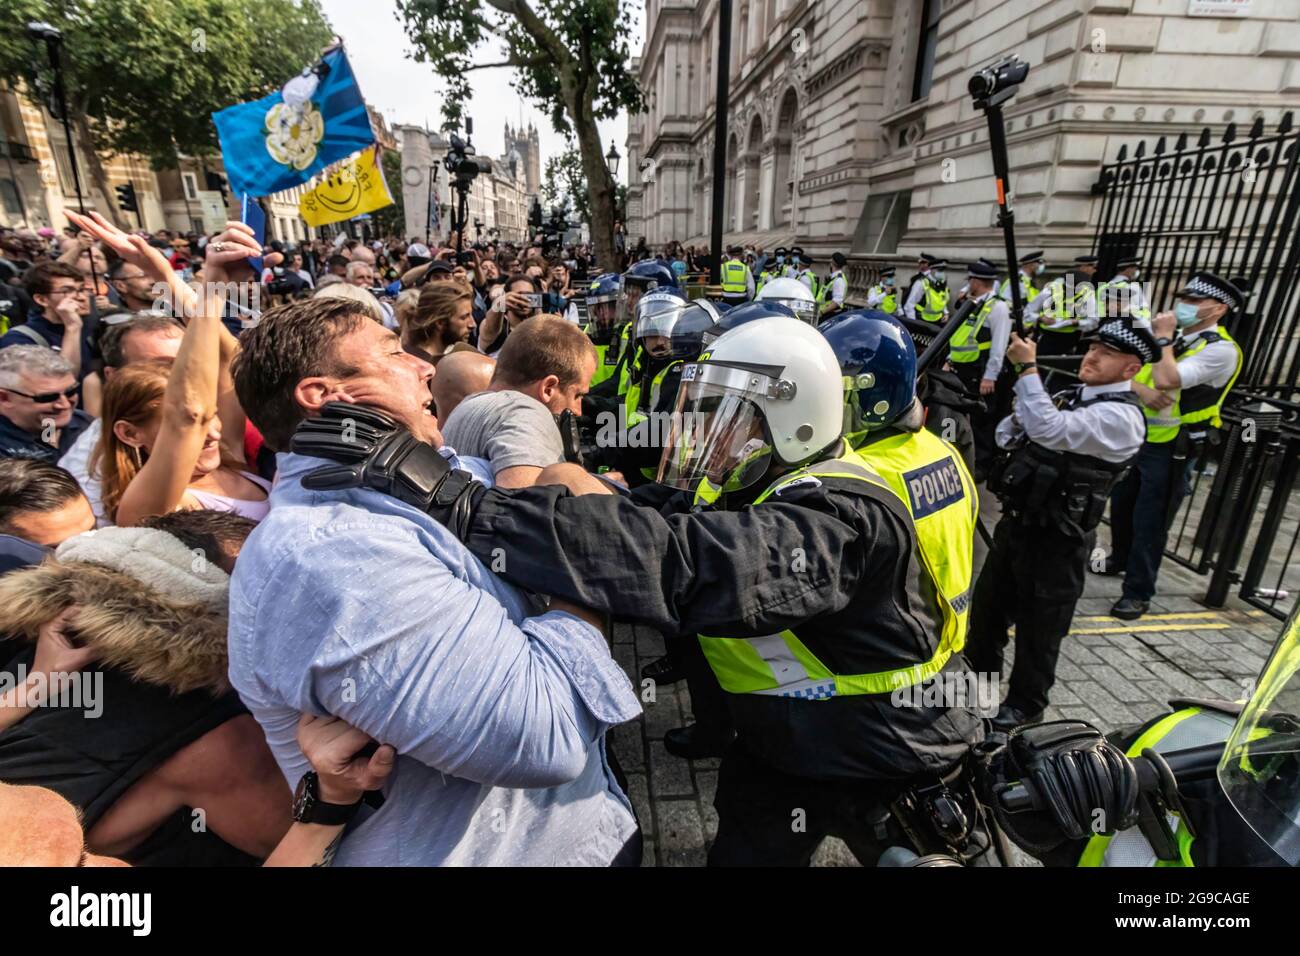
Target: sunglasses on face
{"x":48,"y":398}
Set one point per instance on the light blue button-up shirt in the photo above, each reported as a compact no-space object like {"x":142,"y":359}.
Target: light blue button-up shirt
{"x":355,"y":604}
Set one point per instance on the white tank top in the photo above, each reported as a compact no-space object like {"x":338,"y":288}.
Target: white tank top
{"x":255,"y":510}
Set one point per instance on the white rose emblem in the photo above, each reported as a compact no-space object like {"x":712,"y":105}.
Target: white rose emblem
{"x":292,"y":134}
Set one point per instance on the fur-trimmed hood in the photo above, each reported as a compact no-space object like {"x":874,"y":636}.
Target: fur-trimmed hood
{"x":177,"y":644}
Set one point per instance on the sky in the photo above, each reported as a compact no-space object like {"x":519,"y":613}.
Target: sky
{"x":406,"y":92}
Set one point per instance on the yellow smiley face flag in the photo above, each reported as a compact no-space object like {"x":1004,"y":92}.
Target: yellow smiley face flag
{"x":354,"y":186}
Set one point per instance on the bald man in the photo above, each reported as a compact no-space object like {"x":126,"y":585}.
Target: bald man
{"x":460,"y":374}
{"x":43,"y":829}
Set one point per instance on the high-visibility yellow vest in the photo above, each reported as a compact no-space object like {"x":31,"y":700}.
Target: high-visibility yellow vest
{"x":781,"y":664}
{"x":966,"y":344}
{"x":812,"y":280}
{"x":627,"y":347}
{"x":735,"y":277}
{"x":1027,"y":290}
{"x":934,"y":303}
{"x":1140,"y":312}
{"x":606,"y":363}
{"x":889,"y":303}
{"x":1199,"y":404}
{"x":930,"y":477}
{"x":1060,"y":315}
{"x":764,"y":277}
{"x":1181,"y":730}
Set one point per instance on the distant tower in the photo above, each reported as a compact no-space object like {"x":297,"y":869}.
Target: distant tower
{"x":528,"y":145}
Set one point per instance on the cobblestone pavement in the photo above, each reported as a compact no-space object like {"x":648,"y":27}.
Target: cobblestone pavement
{"x":1111,"y":673}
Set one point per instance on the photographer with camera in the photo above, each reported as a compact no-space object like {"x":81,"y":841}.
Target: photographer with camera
{"x":558,"y":294}
{"x":521,"y":301}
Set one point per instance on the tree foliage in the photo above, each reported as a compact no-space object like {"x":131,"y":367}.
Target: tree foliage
{"x":146,"y":74}
{"x":565,"y":184}
{"x":391,"y":220}
{"x":571,"y":58}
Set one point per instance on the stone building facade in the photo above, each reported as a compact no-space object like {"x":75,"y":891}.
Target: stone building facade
{"x":850,"y":127}
{"x":498,"y":199}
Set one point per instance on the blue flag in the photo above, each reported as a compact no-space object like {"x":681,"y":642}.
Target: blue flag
{"x":284,"y":139}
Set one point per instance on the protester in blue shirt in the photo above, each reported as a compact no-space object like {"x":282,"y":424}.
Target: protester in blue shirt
{"x":357,"y":605}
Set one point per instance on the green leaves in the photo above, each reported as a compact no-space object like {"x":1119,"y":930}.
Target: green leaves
{"x":150,"y":72}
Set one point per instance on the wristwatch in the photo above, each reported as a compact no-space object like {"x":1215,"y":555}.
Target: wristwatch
{"x":1164,"y":342}
{"x":1021,"y":369}
{"x":308,"y":807}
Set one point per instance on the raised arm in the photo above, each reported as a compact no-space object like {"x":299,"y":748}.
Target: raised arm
{"x":190,"y":401}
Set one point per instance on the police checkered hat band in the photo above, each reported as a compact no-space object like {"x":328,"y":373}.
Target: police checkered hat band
{"x":1206,"y":285}
{"x":1130,"y":338}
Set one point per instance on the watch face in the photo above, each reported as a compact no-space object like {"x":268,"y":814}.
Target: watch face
{"x":304,"y":797}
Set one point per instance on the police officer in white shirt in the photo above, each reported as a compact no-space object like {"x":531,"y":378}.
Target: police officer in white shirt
{"x":832,"y":292}
{"x":929,"y":296}
{"x":1183,"y":394}
{"x":1063,"y":456}
{"x":975,"y":353}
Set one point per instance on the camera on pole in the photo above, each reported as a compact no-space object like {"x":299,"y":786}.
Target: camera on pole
{"x":990,"y":88}
{"x":464,"y":168}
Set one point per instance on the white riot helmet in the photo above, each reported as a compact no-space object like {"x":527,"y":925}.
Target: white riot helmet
{"x":794,"y":295}
{"x":767,"y":391}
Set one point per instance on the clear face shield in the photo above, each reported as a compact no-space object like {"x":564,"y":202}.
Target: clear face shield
{"x":719,"y":433}
{"x":655,"y":322}
{"x":601,"y":313}
{"x":805,"y":310}
{"x":629,"y":294}
{"x":1260,"y":768}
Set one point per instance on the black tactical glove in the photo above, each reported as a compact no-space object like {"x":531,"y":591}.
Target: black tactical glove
{"x":374,"y":452}
{"x":1080,"y":784}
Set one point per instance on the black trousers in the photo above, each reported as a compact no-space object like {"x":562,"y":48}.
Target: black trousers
{"x":708,"y":700}
{"x":768,"y":818}
{"x":1033,"y":578}
{"x":1140,"y":509}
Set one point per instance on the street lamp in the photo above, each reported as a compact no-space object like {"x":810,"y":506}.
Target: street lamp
{"x":612,"y":158}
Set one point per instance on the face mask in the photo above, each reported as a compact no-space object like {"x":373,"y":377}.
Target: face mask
{"x":1185,"y":314}
{"x":1137,"y":274}
{"x":938,"y":275}
{"x":1040,"y":268}
{"x":887,"y":282}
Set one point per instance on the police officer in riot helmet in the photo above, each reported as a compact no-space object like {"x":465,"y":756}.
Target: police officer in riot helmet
{"x":1062,"y":456}
{"x":793,"y":563}
{"x":669,"y":332}
{"x":602,"y":310}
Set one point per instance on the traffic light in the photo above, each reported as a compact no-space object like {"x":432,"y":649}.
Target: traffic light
{"x":126,"y":198}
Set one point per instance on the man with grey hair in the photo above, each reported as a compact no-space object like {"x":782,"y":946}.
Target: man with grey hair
{"x":39,"y":417}
{"x":362,"y":275}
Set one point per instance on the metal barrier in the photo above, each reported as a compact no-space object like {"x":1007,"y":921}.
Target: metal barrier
{"x":1232,"y":206}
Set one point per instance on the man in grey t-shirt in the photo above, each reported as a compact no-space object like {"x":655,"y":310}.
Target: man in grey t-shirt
{"x":544,"y":368}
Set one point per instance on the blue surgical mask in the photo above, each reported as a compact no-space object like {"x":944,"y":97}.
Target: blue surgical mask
{"x":887,"y":281}
{"x":1186,"y":313}
{"x":1040,"y":268}
{"x":938,"y":275}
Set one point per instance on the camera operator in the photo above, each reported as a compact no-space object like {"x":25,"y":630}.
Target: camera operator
{"x":558,"y":291}
{"x":521,"y":301}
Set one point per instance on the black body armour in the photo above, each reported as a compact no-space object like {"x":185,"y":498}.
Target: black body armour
{"x":1060,"y":490}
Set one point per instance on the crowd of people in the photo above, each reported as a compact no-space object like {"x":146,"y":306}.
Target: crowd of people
{"x":306,"y":515}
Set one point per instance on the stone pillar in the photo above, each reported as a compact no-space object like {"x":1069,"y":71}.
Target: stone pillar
{"x":767,"y":187}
